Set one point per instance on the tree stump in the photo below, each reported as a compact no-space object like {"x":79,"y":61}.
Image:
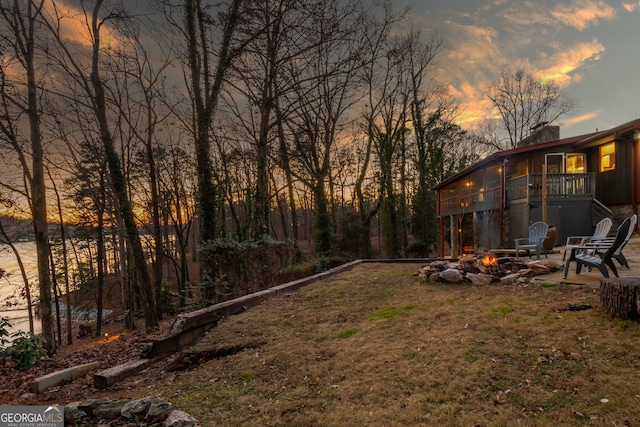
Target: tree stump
{"x":620,"y":297}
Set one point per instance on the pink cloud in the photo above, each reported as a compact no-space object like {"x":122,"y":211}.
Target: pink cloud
{"x":564,"y":63}
{"x":581,"y":14}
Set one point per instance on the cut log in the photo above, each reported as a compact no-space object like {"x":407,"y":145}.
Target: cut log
{"x":620,"y":297}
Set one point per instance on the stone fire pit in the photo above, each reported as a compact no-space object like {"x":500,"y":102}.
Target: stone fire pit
{"x":482,"y":270}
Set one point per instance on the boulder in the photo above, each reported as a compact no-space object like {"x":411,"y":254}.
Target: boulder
{"x":73,"y":414}
{"x":539,"y":268}
{"x":159,"y":410}
{"x":479,"y":278}
{"x":468,"y":260}
{"x":110,"y":410}
{"x":509,"y":279}
{"x":451,"y":275}
{"x":179,"y":419}
{"x":550,"y":264}
{"x":135,"y":408}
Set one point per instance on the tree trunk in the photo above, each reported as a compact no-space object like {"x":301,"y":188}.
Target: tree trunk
{"x":56,"y":299}
{"x":38,"y":189}
{"x":118,"y":181}
{"x":323,"y":236}
{"x":205,"y":97}
{"x":100,"y":259}
{"x":65,"y":263}
{"x":620,"y":297}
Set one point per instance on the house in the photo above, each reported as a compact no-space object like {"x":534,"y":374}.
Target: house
{"x":587,"y":177}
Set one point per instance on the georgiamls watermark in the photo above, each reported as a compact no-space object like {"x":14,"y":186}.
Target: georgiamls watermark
{"x":31,"y":416}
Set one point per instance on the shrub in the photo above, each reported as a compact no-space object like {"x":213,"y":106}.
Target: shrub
{"x":167,"y":299}
{"x":327,"y":263}
{"x":20,"y":350}
{"x":233,"y":268}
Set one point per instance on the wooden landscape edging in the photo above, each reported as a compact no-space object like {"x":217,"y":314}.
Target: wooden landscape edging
{"x":190,"y":327}
{"x":47,"y":381}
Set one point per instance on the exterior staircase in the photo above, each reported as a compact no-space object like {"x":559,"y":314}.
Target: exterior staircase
{"x":599,"y":211}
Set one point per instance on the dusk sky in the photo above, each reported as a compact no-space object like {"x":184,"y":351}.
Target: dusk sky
{"x":590,"y":47}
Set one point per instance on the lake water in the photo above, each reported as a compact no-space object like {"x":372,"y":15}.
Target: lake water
{"x":12,"y":304}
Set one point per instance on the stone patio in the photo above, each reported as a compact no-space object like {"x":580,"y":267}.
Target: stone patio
{"x":592,"y":278}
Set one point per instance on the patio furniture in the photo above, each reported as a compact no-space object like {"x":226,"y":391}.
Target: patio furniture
{"x":602,"y":230}
{"x":633,"y":220}
{"x":585,"y":256}
{"x":537,"y":234}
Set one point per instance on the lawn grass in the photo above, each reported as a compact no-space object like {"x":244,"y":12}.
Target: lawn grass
{"x":374,"y":346}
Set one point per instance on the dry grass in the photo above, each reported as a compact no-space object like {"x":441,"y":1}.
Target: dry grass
{"x":373,"y":346}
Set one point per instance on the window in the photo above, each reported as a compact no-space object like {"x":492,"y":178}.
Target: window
{"x":575,"y":163}
{"x":608,"y":157}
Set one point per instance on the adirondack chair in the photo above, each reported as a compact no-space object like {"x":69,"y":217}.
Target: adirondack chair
{"x":602,"y":230}
{"x":607,"y":248}
{"x":618,"y":256}
{"x":537,"y":234}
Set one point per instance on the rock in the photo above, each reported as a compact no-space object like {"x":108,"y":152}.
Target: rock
{"x":439,"y":264}
{"x":135,"y":408}
{"x":539,"y":268}
{"x":530,"y":272}
{"x":110,"y":410}
{"x":480,"y":278}
{"x":510,"y":279}
{"x":434,"y":277}
{"x":451,"y":275}
{"x":89,"y":406}
{"x":159,"y":410}
{"x":550,"y":264}
{"x":468,"y":260}
{"x":73,"y":414}
{"x":179,"y":419}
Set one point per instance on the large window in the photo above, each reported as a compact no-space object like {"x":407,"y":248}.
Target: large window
{"x":575,"y":163}
{"x":608,"y":157}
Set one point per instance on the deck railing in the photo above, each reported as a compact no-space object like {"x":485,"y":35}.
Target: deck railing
{"x":529,"y":187}
{"x":559,"y":185}
{"x":488,"y":199}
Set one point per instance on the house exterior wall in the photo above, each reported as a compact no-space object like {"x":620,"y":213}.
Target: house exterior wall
{"x":570,"y":217}
{"x":613,"y":187}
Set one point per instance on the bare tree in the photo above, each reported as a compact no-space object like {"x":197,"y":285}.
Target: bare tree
{"x":522,"y":102}
{"x":19,"y":98}
{"x":327,"y":83}
{"x":385,"y":124}
{"x":65,"y":263}
{"x":87,"y":78}
{"x":259,"y":76}
{"x":205,"y":83}
{"x":139,"y":94}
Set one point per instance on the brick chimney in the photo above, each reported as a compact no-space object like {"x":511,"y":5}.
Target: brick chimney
{"x":540,"y":133}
